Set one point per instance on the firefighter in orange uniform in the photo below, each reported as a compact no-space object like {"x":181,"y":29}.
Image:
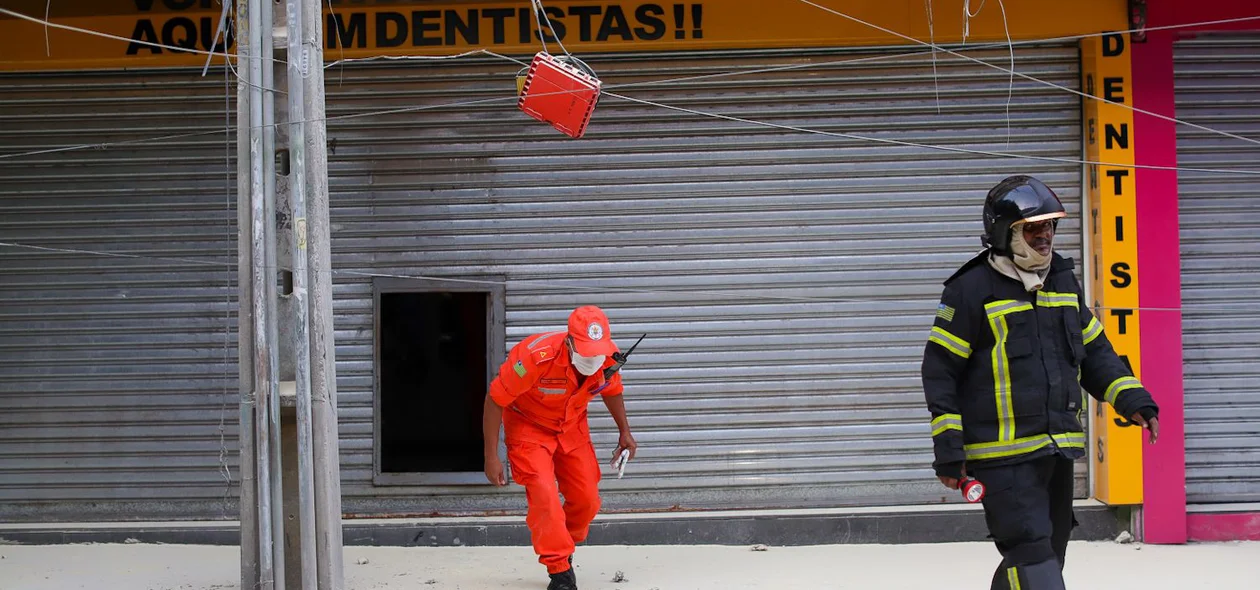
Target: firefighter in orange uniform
{"x":540,"y":398}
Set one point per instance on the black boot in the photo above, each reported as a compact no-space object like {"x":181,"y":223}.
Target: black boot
{"x":564,"y":580}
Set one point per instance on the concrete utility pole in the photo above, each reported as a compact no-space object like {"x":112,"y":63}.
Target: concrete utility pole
{"x":298,"y":67}
{"x":323,"y":353}
{"x":257,"y":404}
{"x":290,"y":482}
{"x":245,"y":311}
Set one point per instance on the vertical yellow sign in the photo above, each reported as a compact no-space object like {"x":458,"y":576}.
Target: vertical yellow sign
{"x":1107,"y":75}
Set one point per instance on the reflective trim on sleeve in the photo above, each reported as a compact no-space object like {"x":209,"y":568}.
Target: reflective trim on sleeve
{"x":1093,"y":330}
{"x":945,"y":422}
{"x":950,"y":342}
{"x":1119,"y":386}
{"x":1074,"y":440}
{"x":1012,"y":578}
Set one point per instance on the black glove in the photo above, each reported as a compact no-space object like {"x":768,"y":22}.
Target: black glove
{"x":954,"y":470}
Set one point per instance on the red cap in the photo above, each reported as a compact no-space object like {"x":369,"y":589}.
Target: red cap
{"x":588,"y":326}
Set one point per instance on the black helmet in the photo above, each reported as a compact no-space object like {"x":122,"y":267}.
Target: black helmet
{"x":1016,"y":199}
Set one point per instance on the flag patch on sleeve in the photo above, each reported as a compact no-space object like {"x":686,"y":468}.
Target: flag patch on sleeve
{"x":945,"y":312}
{"x":519,"y":367}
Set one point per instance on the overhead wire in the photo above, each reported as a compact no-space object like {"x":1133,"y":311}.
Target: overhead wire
{"x":932,"y":49}
{"x":1006,"y":28}
{"x":224,"y":466}
{"x":218,"y":32}
{"x":558,"y":284}
{"x":1039,"y":41}
{"x":425,"y":58}
{"x":539,"y":9}
{"x":47,"y":34}
{"x":851,"y":136}
{"x":936,"y":82}
{"x":904,"y":143}
{"x":1010,"y":83}
{"x":542,"y":36}
{"x":174,"y":48}
{"x":48,"y":23}
{"x":1027,"y":77}
{"x":719,"y":116}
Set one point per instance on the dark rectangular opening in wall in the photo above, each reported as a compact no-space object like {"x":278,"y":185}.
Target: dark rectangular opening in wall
{"x":432,"y":377}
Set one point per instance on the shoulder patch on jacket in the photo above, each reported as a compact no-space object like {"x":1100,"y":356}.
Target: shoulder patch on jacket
{"x":519,"y":369}
{"x":945,"y":312}
{"x":542,"y":354}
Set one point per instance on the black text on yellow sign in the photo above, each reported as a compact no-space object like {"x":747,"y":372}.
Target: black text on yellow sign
{"x":168,"y":33}
{"x":1107,"y":74}
{"x":193,"y":33}
{"x":450,"y":27}
{"x":504,"y":26}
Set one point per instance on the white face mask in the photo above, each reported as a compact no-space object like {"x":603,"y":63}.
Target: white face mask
{"x":586,"y":365}
{"x":1023,"y":253}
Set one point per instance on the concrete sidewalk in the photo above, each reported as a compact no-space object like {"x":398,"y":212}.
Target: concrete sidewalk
{"x":953,"y":566}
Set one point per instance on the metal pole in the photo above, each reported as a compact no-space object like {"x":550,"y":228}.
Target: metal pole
{"x":245,"y":313}
{"x":268,"y":132}
{"x":259,"y":278}
{"x":323,"y":350}
{"x":297,"y":68}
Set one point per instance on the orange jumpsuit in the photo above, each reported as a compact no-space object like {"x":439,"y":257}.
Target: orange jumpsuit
{"x":549,"y":441}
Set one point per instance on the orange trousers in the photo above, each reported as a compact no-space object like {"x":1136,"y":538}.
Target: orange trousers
{"x":547,"y":471}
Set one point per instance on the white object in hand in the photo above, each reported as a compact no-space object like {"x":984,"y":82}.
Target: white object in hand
{"x":620,"y":462}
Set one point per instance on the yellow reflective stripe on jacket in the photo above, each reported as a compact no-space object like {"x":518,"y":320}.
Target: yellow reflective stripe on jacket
{"x":946,"y":422}
{"x":950,"y":342}
{"x":1004,"y":307}
{"x":1118,"y":386}
{"x":1012,"y":578}
{"x":1050,"y":299}
{"x":997,"y":312}
{"x":1022,"y":446}
{"x":1010,"y":448}
{"x":1069,"y":439}
{"x":1093,"y":330}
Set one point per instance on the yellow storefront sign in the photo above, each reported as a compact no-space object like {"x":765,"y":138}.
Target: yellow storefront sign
{"x":1107,"y":74}
{"x":362,"y":28}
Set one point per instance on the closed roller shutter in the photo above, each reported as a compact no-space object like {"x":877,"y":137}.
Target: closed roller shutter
{"x":115,"y":372}
{"x":787,"y":279}
{"x":1217,"y":82}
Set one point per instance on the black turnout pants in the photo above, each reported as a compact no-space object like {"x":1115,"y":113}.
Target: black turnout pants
{"x":1028,"y":508}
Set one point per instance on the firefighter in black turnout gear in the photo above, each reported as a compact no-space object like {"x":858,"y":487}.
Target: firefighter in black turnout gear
{"x":1012,"y":346}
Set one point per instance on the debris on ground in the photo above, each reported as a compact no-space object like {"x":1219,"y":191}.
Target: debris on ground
{"x":761,"y":548}
{"x":362,"y":561}
{"x":1124,"y":538}
{"x":619,"y":577}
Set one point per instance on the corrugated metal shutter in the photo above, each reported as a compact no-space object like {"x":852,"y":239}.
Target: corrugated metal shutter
{"x":787,"y":280}
{"x":1217,"y":82}
{"x":116,"y":372}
